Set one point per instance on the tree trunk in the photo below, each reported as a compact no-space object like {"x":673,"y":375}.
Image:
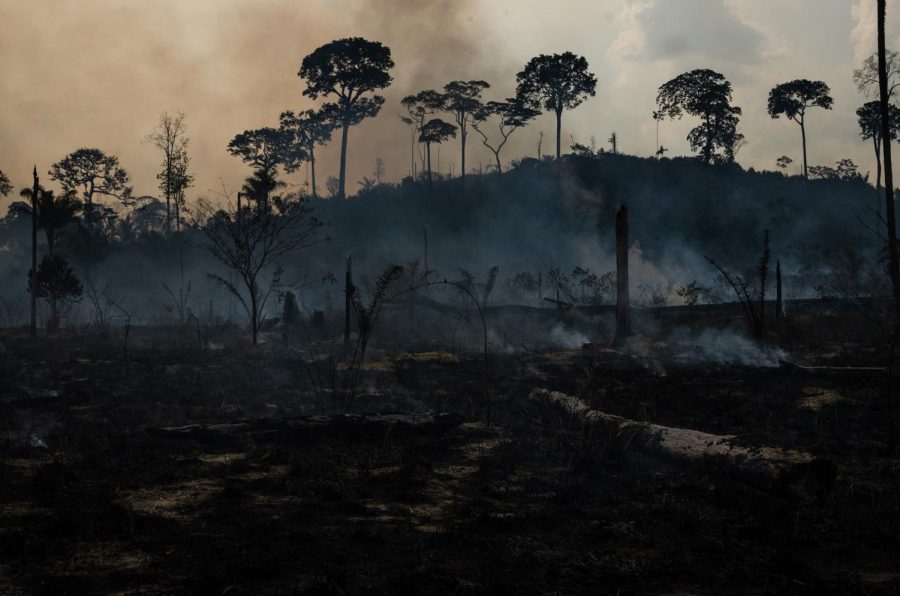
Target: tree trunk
{"x":878,"y":218}
{"x":803,"y":134}
{"x":558,"y":131}
{"x":623,"y":308}
{"x":168,"y":192}
{"x":34,"y":272}
{"x":428,"y":157}
{"x":779,"y":304}
{"x":499,"y":167}
{"x":894,"y":265}
{"x":342,"y":181}
{"x":462,"y":137}
{"x":254,"y":315}
{"x":778,"y":470}
{"x":348,"y":302}
{"x":312,"y":168}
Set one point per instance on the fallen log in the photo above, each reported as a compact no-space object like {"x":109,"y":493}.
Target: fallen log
{"x":781,"y":471}
{"x":305,"y":427}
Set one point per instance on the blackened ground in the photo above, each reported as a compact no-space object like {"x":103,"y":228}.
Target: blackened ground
{"x":91,"y":501}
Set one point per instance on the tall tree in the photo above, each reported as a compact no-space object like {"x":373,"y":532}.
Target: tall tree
{"x":307,"y":129}
{"x":462,"y":99}
{"x":869,"y":119}
{"x":92,"y":172}
{"x":433,"y":132}
{"x":347,"y":69}
{"x":705,"y":94}
{"x":556,"y":82}
{"x":793,"y":99}
{"x":53,"y":212}
{"x":170,"y":137}
{"x":885,"y":97}
{"x":263,"y":149}
{"x":508,"y":116}
{"x":419,"y":107}
{"x":5,"y":185}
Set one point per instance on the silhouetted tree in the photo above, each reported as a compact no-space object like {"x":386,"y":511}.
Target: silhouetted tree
{"x":307,"y":130}
{"x":419,"y":107}
{"x":170,"y":137}
{"x":884,"y":89}
{"x":347,"y":69}
{"x":508,"y":115}
{"x":93,"y":173}
{"x":5,"y":185}
{"x":555,"y":83}
{"x":869,"y":118}
{"x":706,"y":94}
{"x":866,"y":77}
{"x":57,"y":283}
{"x":435,"y":131}
{"x":250,"y":242}
{"x":783,"y":163}
{"x":462,"y":99}
{"x":53,"y":213}
{"x":794,"y":98}
{"x":263,"y":149}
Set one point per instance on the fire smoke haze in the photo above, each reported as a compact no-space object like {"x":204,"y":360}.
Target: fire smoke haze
{"x":77,"y":73}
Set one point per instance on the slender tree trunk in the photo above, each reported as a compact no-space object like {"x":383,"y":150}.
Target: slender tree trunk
{"x":342,"y":182}
{"x":803,"y":134}
{"x":499,"y":167}
{"x":462,"y":137}
{"x":558,"y":131}
{"x":878,"y":218}
{"x":312,"y":168}
{"x":428,"y":158}
{"x":254,"y":314}
{"x":779,"y":303}
{"x":348,"y":303}
{"x":34,"y":273}
{"x":894,"y":264}
{"x":168,"y":193}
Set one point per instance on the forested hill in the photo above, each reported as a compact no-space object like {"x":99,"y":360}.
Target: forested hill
{"x":540,"y":214}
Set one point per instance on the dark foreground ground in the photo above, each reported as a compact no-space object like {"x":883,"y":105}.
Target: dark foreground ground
{"x":95,"y":499}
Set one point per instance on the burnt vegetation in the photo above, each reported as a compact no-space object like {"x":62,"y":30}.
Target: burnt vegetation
{"x":584,"y":372}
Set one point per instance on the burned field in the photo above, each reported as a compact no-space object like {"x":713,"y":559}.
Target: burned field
{"x":175,"y":469}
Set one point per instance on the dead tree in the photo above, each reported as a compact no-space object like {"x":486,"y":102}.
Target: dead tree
{"x":34,"y":227}
{"x":779,"y":301}
{"x":623,"y":308}
{"x":348,"y":302}
{"x":251,"y":241}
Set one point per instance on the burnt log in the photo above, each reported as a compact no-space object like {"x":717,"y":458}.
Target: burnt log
{"x":781,"y":471}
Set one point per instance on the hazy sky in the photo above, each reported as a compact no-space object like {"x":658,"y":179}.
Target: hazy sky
{"x":99,"y":73}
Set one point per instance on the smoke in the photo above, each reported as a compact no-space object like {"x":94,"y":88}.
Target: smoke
{"x":722,"y":346}
{"x":567,"y":339}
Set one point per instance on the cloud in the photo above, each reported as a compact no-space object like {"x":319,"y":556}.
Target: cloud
{"x":865,"y":30}
{"x":668,"y":29}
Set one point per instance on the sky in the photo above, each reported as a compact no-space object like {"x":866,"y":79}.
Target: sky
{"x":99,"y":73}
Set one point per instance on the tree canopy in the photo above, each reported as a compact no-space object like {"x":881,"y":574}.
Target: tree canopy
{"x":705,"y":94}
{"x":92,"y":171}
{"x":347,"y":69}
{"x":556,"y":82}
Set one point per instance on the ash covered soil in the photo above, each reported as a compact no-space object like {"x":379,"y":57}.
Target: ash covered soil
{"x":107,"y":487}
